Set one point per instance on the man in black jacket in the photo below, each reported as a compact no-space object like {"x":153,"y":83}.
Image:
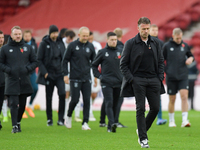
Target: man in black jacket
{"x":27,"y":36}
{"x":2,"y":78}
{"x":177,"y":55}
{"x":110,"y":76}
{"x":17,"y":60}
{"x":142,"y":65}
{"x":80,"y":54}
{"x":50,"y":53}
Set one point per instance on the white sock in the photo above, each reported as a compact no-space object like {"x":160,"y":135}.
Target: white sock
{"x":171,"y":117}
{"x":66,"y":108}
{"x":4,"y":108}
{"x":78,"y":109}
{"x":91,"y":112}
{"x":184,"y":116}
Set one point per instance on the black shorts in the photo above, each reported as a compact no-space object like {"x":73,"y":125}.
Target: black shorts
{"x":173,"y":86}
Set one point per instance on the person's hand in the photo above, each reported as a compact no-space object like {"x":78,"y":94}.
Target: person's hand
{"x":189,"y":61}
{"x":45,"y":76}
{"x":66,"y":79}
{"x":95,"y":82}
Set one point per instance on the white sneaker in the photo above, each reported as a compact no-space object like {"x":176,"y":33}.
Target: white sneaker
{"x":92,"y":118}
{"x":85,"y":126}
{"x":186,"y":124}
{"x":144,"y":144}
{"x":68,"y":122}
{"x":77,"y":119}
{"x":172,"y":124}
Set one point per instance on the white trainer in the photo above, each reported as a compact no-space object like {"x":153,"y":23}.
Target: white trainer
{"x":68,"y":122}
{"x":172,"y":124}
{"x":77,"y":119}
{"x":92,"y":118}
{"x":85,"y":126}
{"x":186,"y":124}
{"x":144,"y":144}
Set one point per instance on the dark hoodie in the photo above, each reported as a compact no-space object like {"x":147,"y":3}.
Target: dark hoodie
{"x":17,"y":60}
{"x":109,"y":59}
{"x":49,"y":56}
{"x":175,"y":56}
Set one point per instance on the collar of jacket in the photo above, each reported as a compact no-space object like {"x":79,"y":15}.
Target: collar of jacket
{"x":47,"y":39}
{"x":13,"y":43}
{"x":172,"y":41}
{"x":139,"y":40}
{"x":112,"y":48}
{"x":80,"y":43}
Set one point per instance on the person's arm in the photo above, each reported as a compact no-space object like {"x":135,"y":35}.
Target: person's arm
{"x":190,"y":58}
{"x":125,"y":62}
{"x":33,"y":61}
{"x":3,"y":67}
{"x":40,"y":57}
{"x":160,"y":63}
{"x":64,"y":64}
{"x":95,"y":64}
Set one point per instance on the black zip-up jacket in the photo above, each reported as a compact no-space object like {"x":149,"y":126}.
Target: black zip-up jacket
{"x":109,"y":59}
{"x":175,"y":56}
{"x":2,"y":77}
{"x":120,"y":45}
{"x":45,"y":56}
{"x":80,"y":55}
{"x":17,"y":60}
{"x":33,"y":45}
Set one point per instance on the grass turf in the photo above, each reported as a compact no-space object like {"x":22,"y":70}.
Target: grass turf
{"x":37,"y":136}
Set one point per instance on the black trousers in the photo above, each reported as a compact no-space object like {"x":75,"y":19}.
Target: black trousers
{"x":191,"y":92}
{"x":59,"y":83}
{"x":111,"y":98}
{"x":149,"y":88}
{"x":17,"y":106}
{"x":103,"y":111}
{"x":1,"y":97}
{"x":75,"y":88}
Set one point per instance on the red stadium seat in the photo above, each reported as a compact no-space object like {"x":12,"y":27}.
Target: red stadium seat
{"x":10,"y":11}
{"x":3,"y":3}
{"x":1,"y":18}
{"x":13,"y":3}
{"x":194,"y":13}
{"x":195,"y":41}
{"x":168,"y":28}
{"x":183,"y":20}
{"x":20,"y":9}
{"x":161,"y":34}
{"x":1,"y":11}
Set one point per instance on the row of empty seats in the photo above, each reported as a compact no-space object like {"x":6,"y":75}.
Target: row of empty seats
{"x":182,"y":21}
{"x":9,"y":8}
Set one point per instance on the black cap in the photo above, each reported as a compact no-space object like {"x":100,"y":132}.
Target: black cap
{"x":53,"y":28}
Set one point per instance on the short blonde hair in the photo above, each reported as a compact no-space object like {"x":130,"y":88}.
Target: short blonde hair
{"x":177,"y":31}
{"x":16,"y":27}
{"x":82,"y":28}
{"x":118,"y":32}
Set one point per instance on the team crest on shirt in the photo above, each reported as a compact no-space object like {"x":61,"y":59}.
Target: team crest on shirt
{"x":48,"y":46}
{"x":77,"y":48}
{"x":10,"y":50}
{"x":106,"y":54}
{"x":171,"y":49}
{"x":25,"y":49}
{"x":87,"y":49}
{"x":182,"y":49}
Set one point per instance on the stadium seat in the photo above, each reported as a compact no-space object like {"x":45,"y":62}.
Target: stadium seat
{"x":168,"y":28}
{"x":161,"y":34}
{"x":194,"y":13}
{"x":3,"y":3}
{"x":20,"y":9}
{"x":10,"y":11}
{"x":1,"y":18}
{"x":183,"y":20}
{"x":1,"y":11}
{"x":195,"y":41}
{"x":13,"y":3}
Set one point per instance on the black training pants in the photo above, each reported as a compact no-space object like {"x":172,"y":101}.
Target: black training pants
{"x":59,"y":83}
{"x":75,"y":88}
{"x":111,"y":98}
{"x":17,"y":106}
{"x":1,"y":97}
{"x":149,"y":88}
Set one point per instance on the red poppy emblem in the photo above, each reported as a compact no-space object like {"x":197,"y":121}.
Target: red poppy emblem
{"x":183,"y":45}
{"x":119,"y":56}
{"x":21,"y":50}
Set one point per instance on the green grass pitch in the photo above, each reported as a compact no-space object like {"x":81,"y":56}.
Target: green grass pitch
{"x":36,"y":135}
